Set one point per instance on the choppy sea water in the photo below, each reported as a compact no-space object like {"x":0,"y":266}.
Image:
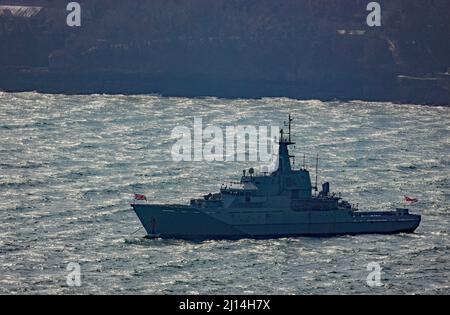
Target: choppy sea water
{"x":70,"y":164}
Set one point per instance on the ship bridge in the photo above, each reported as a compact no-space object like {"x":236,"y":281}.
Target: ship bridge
{"x":238,"y":188}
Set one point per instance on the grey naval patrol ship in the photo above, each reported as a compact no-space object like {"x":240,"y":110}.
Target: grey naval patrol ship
{"x":281,"y":203}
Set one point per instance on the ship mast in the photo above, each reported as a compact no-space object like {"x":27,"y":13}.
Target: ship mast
{"x":317,"y":166}
{"x":284,"y":157}
{"x":290,"y":121}
{"x":289,"y":138}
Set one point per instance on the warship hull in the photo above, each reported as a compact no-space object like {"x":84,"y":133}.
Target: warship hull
{"x":185,"y":222}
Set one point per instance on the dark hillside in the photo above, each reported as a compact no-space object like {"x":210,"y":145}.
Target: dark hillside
{"x":230,"y":48}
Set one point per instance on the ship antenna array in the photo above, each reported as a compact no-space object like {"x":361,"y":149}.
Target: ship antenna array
{"x":317,"y":166}
{"x":290,"y":121}
{"x":289,"y":126}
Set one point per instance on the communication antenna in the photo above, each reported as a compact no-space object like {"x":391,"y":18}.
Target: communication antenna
{"x":317,"y":166}
{"x":289,"y":126}
{"x":290,"y":120}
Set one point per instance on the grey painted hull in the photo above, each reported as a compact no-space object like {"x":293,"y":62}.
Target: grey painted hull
{"x":185,"y":222}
